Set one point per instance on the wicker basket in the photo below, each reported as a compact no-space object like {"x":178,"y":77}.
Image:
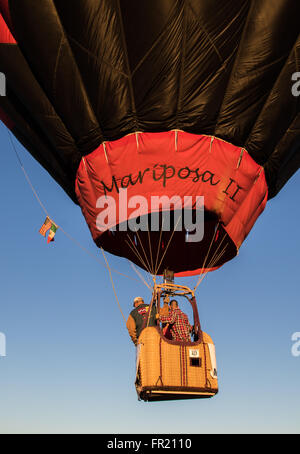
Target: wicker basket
{"x":169,"y":370}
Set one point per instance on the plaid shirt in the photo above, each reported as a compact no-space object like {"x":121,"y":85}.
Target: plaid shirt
{"x":180,"y":327}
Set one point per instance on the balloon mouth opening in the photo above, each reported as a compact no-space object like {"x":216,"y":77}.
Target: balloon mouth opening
{"x":168,"y":243}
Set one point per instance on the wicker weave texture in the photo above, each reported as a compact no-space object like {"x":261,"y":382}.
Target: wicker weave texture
{"x":167,"y":365}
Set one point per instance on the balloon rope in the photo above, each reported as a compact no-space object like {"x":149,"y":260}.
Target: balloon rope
{"x":215,"y":258}
{"x":179,"y":219}
{"x":47,"y":214}
{"x":150,"y":308}
{"x":149,"y":266}
{"x":141,"y":277}
{"x":113,"y":285}
{"x":206,"y":257}
{"x":160,"y":235}
{"x":210,"y":265}
{"x":150,"y":248}
{"x":137,"y":254}
{"x":211,"y":243}
{"x":213,"y":261}
{"x":26,"y":176}
{"x":94,"y":257}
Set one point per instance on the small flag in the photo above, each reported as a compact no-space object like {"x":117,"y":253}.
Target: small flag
{"x":52,"y":232}
{"x":46,"y":226}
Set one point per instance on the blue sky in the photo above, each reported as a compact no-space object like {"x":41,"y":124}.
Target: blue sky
{"x":70,"y":364}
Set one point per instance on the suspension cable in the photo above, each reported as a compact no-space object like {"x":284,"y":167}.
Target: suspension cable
{"x":47,"y":214}
{"x":113,"y":285}
{"x":213,"y":260}
{"x":156,"y":271}
{"x":141,"y":277}
{"x":149,"y":267}
{"x":137,"y":254}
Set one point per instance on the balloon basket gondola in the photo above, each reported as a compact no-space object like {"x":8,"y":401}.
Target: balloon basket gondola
{"x":173,"y":370}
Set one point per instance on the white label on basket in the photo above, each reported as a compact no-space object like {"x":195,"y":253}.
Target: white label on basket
{"x":194,"y":353}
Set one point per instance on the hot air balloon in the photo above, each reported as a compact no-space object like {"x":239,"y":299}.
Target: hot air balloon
{"x":139,"y":100}
{"x":159,"y":98}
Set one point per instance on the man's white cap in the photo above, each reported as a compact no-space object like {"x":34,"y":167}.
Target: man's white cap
{"x":138,"y":298}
